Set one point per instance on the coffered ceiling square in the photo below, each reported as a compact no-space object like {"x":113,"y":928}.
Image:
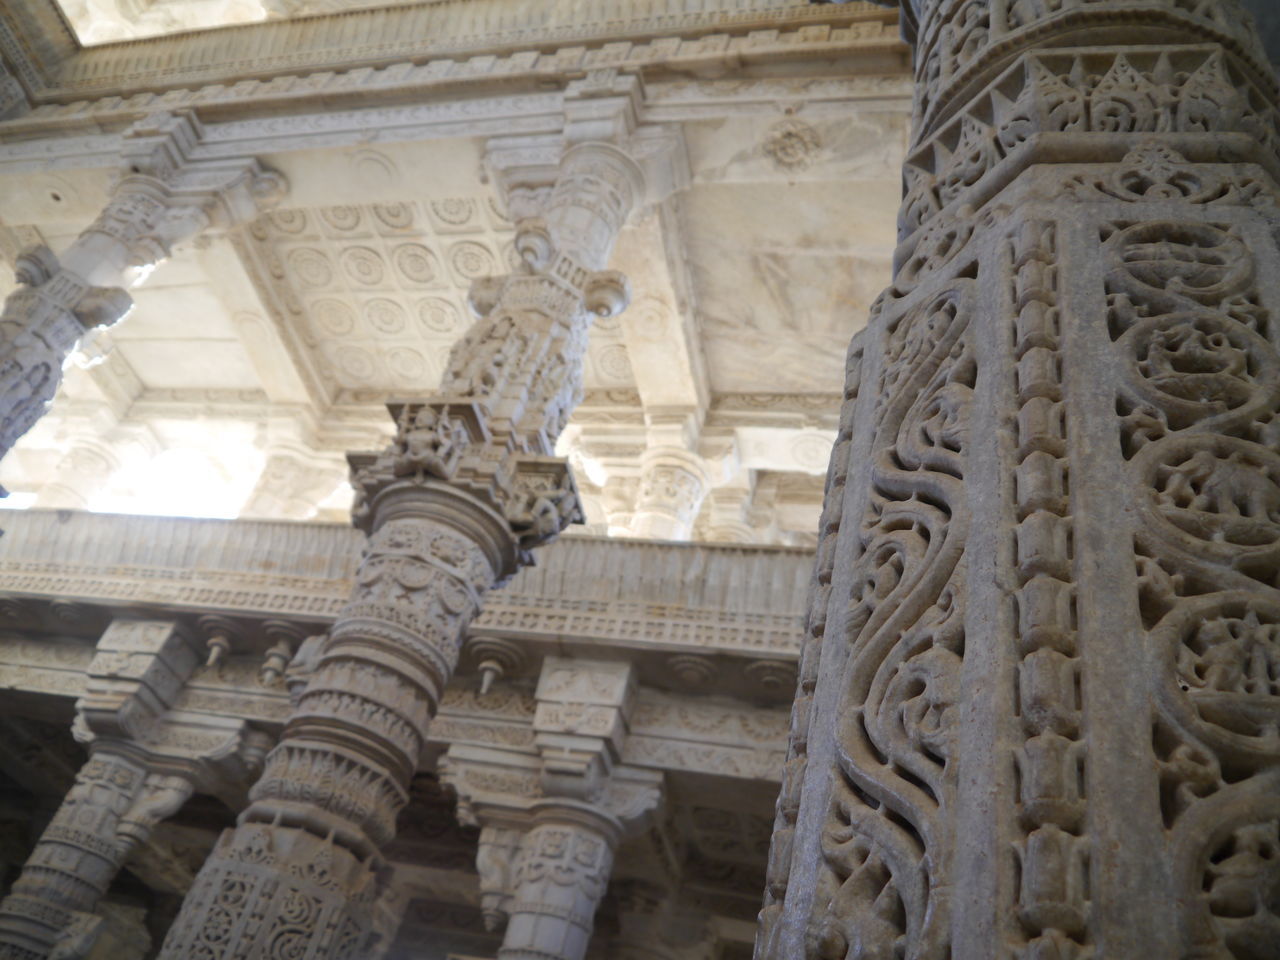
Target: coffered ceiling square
{"x":381,"y":289}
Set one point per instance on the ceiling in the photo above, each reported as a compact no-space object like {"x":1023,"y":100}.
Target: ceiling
{"x":289,"y":334}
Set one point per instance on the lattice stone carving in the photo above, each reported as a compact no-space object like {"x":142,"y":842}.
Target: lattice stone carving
{"x":1038,"y":706}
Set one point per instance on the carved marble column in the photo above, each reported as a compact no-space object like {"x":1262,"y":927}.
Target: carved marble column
{"x":145,"y":761}
{"x":112,"y":807}
{"x":561,"y":809}
{"x":452,"y":508}
{"x":165,"y":193}
{"x":1038,"y":700}
{"x":560,"y":875}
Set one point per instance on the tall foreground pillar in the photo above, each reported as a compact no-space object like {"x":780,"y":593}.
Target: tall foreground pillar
{"x":1040,"y":692}
{"x":451,"y":507}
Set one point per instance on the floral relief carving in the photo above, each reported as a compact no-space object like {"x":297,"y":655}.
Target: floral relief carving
{"x":878,"y":891}
{"x":1124,"y":350}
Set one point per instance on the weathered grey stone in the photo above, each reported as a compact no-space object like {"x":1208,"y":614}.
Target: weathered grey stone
{"x":1037,"y":702}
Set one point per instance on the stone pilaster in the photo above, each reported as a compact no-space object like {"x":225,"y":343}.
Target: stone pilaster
{"x":1037,"y":705}
{"x":145,"y":761}
{"x":728,"y":515}
{"x":165,"y":194}
{"x":92,"y":458}
{"x":452,"y":508}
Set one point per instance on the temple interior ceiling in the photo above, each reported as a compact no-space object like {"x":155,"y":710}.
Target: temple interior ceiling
{"x":292,"y":331}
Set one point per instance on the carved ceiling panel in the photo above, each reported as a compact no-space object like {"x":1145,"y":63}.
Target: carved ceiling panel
{"x":779,"y":308}
{"x":381,"y":290}
{"x":382,"y":287}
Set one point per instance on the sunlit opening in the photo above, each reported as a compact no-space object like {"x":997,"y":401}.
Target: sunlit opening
{"x":179,"y":483}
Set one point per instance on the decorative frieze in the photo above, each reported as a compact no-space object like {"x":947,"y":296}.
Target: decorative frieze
{"x":741,"y":598}
{"x":435,"y":43}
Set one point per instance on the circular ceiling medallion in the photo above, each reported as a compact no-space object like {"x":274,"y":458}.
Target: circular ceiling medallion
{"x":311,"y":266}
{"x":332,"y":318}
{"x":407,"y":363}
{"x":356,"y":363}
{"x":614,"y":362}
{"x":385,"y":316}
{"x":472,"y":260}
{"x":811,"y":451}
{"x":288,"y":221}
{"x":438,"y":315}
{"x":454,"y":211}
{"x":363,"y":265}
{"x":396,"y":216}
{"x":341,"y":218}
{"x":415,"y":263}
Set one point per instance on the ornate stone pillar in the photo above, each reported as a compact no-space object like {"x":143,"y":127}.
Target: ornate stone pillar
{"x":561,"y":809}
{"x":166,"y":193}
{"x":452,"y":508}
{"x":1038,"y":703}
{"x":145,"y":761}
{"x":560,"y":875}
{"x":112,"y":807}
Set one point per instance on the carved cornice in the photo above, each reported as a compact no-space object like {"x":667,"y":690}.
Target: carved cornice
{"x":718,"y":599}
{"x":412,"y":48}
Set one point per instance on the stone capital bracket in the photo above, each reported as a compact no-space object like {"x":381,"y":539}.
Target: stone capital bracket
{"x":139,"y":669}
{"x":447,"y":441}
{"x":166,"y":192}
{"x":525,"y":168}
{"x":165,"y":146}
{"x":502,"y":792}
{"x":603,"y":105}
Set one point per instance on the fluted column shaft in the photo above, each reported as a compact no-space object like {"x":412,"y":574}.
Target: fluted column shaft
{"x":452,"y":508}
{"x":1038,"y":704}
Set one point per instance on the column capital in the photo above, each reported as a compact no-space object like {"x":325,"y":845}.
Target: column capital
{"x":135,"y":677}
{"x":673,"y":483}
